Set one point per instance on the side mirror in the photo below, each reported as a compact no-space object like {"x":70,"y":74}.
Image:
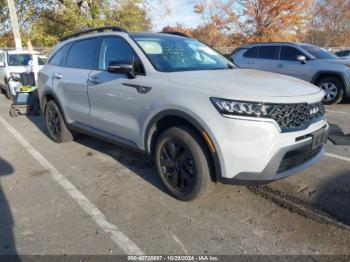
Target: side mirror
{"x":127,"y":69}
{"x":301,"y":59}
{"x":2,"y":64}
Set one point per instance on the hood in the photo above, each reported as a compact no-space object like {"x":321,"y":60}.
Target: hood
{"x":245,"y":83}
{"x":340,"y":61}
{"x":21,"y":69}
{"x":18,"y":69}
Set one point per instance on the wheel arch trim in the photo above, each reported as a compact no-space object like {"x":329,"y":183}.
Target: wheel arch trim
{"x":334,"y":73}
{"x":151,"y":129}
{"x":43,"y":103}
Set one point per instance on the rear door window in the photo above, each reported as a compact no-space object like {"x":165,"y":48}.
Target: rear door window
{"x":82,"y":54}
{"x":289,"y":53}
{"x":268,"y":52}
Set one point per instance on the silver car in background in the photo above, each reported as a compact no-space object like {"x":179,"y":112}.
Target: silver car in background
{"x":304,"y":61}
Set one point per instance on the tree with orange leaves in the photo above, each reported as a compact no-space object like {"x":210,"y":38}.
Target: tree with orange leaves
{"x":330,"y":23}
{"x":258,"y":20}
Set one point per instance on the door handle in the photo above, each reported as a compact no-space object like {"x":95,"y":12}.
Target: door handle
{"x":57,"y":76}
{"x":280,"y":66}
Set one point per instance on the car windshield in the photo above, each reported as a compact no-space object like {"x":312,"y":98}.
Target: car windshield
{"x":319,"y":53}
{"x":174,"y":54}
{"x":19,"y":59}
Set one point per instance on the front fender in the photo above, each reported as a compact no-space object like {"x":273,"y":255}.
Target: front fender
{"x":199,"y":124}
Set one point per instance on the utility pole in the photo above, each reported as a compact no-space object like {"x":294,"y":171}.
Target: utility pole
{"x":14,"y":22}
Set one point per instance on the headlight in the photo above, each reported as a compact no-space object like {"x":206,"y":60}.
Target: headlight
{"x":241,"y":108}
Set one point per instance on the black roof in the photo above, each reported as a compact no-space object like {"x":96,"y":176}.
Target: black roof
{"x":147,"y":34}
{"x":95,"y":30}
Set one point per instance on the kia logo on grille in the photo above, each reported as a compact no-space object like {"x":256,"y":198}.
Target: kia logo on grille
{"x":314,"y":110}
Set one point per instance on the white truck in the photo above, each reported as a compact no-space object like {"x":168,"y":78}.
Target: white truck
{"x":13,"y":62}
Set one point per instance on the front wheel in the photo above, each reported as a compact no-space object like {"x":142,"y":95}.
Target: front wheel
{"x":55,"y":123}
{"x":333,"y":88}
{"x":183,"y":163}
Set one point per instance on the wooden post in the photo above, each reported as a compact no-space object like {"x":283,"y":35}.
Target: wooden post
{"x":14,"y":22}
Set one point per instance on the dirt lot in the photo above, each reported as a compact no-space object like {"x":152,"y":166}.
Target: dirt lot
{"x":91,"y":197}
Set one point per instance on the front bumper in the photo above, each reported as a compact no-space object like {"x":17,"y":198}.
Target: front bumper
{"x":277,"y":170}
{"x":254,"y":152}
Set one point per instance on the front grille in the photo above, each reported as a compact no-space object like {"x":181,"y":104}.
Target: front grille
{"x":298,"y":157}
{"x":291,"y":117}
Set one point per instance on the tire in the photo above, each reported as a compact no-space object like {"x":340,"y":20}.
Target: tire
{"x":183,"y":163}
{"x":8,"y":91}
{"x":334,"y":89}
{"x":13,"y":112}
{"x":55,"y":124}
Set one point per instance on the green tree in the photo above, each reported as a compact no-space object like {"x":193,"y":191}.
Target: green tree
{"x":45,"y":22}
{"x":257,"y":20}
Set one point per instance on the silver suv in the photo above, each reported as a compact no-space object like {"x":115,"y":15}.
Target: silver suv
{"x":202,"y":119}
{"x":304,"y":61}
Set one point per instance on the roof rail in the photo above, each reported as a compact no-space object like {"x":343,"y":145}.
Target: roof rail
{"x":98,"y":30}
{"x":176,"y":33}
{"x":277,"y":42}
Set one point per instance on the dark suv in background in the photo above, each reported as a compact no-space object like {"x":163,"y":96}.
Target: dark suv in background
{"x":304,"y":61}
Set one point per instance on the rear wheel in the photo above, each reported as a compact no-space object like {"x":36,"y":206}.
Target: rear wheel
{"x":55,"y":123}
{"x":183,"y":163}
{"x":333,"y":88}
{"x":8,"y":91}
{"x":13,"y":112}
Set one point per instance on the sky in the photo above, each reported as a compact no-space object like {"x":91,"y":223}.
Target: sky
{"x":181,"y":11}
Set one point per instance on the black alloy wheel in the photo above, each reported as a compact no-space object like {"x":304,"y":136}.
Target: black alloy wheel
{"x":183,"y":163}
{"x":53,"y":122}
{"x":177,"y":165}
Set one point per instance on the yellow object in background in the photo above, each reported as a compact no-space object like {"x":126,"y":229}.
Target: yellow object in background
{"x":26,"y":88}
